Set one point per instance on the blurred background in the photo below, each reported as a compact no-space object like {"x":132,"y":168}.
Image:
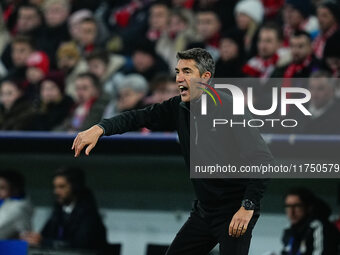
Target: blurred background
{"x":66,"y":64}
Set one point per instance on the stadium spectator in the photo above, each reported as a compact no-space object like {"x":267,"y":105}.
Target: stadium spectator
{"x":56,"y":13}
{"x":15,"y":207}
{"x":224,"y":10}
{"x":131,"y":91}
{"x":146,"y":62}
{"x":104,"y":66}
{"x":323,"y":106}
{"x":304,"y":63}
{"x":249,"y":16}
{"x":88,"y":35}
{"x":54,"y":106}
{"x":208,"y":27}
{"x":16,"y":112}
{"x":328,"y":14}
{"x":21,"y":48}
{"x":38,"y":65}
{"x":158,"y":21}
{"x":71,"y":63}
{"x":232,"y":55}
{"x":75,"y":221}
{"x":310,"y":231}
{"x":163,"y":87}
{"x":297,"y":15}
{"x":29,"y":22}
{"x":74,"y":21}
{"x":179,"y":34}
{"x":90,"y":103}
{"x":271,"y":55}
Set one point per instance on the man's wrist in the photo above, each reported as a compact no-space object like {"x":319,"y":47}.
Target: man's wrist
{"x":248,"y":204}
{"x":102,"y":129}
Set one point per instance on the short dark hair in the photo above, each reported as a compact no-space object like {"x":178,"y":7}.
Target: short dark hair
{"x":203,"y":59}
{"x":95,"y":80}
{"x":160,"y":80}
{"x":299,"y":33}
{"x":15,"y":180}
{"x":34,"y":7}
{"x":14,"y":81}
{"x":306,"y":196}
{"x":75,"y":176}
{"x":275,"y":27}
{"x":98,"y":54}
{"x":24,"y":39}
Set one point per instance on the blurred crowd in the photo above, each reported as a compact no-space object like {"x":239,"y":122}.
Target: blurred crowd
{"x":65,"y":65}
{"x":76,"y":223}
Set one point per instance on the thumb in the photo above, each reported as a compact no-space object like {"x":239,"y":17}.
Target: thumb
{"x":89,"y":148}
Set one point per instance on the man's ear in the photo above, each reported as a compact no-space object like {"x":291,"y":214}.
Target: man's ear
{"x":206,"y":75}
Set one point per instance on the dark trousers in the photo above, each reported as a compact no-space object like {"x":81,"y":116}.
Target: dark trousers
{"x":201,"y":233}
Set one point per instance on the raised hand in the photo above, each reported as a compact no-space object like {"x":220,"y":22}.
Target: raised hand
{"x":87,"y":138}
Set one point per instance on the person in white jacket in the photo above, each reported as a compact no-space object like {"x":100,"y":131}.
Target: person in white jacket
{"x":15,"y":208}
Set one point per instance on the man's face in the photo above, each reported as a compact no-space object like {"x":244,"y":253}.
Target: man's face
{"x":326,"y":18}
{"x":49,"y":92}
{"x":185,"y":71}
{"x":56,"y":14}
{"x":97,"y":67}
{"x":62,"y":190}
{"x":9,"y":93}
{"x":28,"y":20}
{"x":268,"y":43}
{"x":85,"y":90}
{"x":142,"y":61}
{"x":66,"y":63}
{"x":128,"y":99}
{"x":159,"y":17}
{"x":5,"y":191}
{"x":228,"y":49}
{"x":321,"y":91}
{"x":301,"y":48}
{"x":177,"y":25}
{"x":207,"y":25}
{"x":165,"y":92}
{"x":34,"y":75}
{"x":292,"y":17}
{"x":88,"y":33}
{"x":20,"y":53}
{"x":295,"y":210}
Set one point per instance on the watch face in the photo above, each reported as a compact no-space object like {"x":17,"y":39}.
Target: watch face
{"x":248,"y":205}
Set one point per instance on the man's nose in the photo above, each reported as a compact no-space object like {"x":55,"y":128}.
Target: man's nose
{"x":179,"y":77}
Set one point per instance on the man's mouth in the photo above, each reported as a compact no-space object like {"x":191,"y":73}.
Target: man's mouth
{"x":182,"y":88}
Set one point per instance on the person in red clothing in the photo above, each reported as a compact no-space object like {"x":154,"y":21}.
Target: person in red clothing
{"x":208,"y":27}
{"x":158,"y":21}
{"x":272,"y":8}
{"x":304,"y":61}
{"x":270,"y":55}
{"x":90,"y":103}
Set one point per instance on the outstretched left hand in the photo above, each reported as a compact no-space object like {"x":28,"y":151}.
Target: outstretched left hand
{"x":239,"y":222}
